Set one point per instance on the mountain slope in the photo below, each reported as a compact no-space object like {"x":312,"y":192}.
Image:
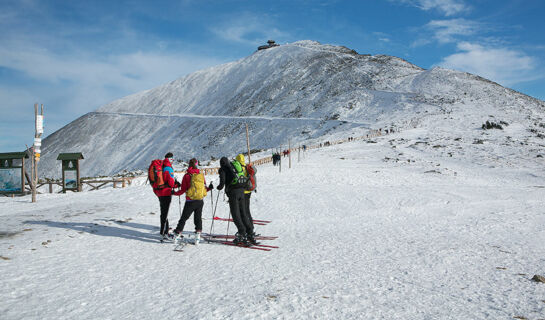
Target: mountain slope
{"x":301,"y":91}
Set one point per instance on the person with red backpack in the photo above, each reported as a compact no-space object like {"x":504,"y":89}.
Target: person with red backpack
{"x":163,"y":185}
{"x":195,"y":189}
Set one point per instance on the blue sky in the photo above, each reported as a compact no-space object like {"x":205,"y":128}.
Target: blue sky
{"x":74,"y":56}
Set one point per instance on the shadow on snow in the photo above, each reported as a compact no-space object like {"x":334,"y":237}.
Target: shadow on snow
{"x":105,"y":230}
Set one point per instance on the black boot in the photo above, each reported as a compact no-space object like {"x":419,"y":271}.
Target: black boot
{"x":250,"y":237}
{"x":240,"y":239}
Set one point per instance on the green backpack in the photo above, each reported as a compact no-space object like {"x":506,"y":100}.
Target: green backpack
{"x":239,"y":177}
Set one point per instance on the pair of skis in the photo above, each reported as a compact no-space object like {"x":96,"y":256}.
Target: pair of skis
{"x":226,"y":239}
{"x":257,"y":246}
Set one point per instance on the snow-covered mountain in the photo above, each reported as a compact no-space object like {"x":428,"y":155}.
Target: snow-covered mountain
{"x":299,"y":91}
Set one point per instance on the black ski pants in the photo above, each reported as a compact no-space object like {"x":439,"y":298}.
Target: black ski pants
{"x":238,"y":211}
{"x":164,"y":204}
{"x":247,"y":197}
{"x":191,"y":206}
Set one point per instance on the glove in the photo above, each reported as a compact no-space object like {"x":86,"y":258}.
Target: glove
{"x":176,"y":184}
{"x":210,"y":186}
{"x":219,"y":187}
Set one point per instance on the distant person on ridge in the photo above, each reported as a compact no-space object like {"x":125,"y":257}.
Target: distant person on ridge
{"x":194,"y":187}
{"x":232,"y":179}
{"x":164,"y":193}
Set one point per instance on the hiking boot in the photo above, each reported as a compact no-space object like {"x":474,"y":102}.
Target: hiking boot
{"x":177,"y":235}
{"x":168,"y":236}
{"x":197,"y":237}
{"x":240,"y":239}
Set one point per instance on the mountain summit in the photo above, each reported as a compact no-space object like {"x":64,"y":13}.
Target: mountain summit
{"x":304,"y":90}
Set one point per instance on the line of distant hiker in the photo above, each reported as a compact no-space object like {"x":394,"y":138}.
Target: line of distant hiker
{"x":236,"y":176}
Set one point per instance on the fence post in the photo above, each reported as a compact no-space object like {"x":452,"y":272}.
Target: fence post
{"x":289,"y":151}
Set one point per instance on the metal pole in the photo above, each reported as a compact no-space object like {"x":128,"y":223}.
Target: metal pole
{"x":228,"y":222}
{"x":214,"y":214}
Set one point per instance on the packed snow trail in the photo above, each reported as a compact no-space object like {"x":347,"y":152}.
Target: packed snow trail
{"x":360,"y":236}
{"x":200,"y":116}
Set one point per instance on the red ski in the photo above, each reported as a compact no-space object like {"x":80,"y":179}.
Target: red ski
{"x":228,"y":243}
{"x":256,"y":221}
{"x":230,"y":236}
{"x":266,"y":246}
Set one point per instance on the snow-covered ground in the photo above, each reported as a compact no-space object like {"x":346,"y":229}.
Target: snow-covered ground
{"x":417,"y":225}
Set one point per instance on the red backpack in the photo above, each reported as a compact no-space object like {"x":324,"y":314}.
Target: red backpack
{"x":251,"y":170}
{"x":155,"y":174}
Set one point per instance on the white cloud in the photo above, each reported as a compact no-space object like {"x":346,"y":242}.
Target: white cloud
{"x":447,"y":7}
{"x":381,"y":36}
{"x":446,"y":31}
{"x":248,"y":29}
{"x":120,"y":73}
{"x":503,"y":65}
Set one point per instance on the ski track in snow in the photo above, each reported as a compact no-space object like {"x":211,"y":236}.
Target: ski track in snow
{"x":303,"y":119}
{"x":360,"y":236}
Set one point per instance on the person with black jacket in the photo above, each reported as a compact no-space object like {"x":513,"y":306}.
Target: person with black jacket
{"x":235,"y":193}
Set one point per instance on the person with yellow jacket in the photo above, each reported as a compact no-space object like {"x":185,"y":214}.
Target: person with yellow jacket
{"x":247,"y":194}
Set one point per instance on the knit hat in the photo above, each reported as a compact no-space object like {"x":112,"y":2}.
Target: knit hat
{"x":193,"y":163}
{"x":240,"y":158}
{"x":169,"y":155}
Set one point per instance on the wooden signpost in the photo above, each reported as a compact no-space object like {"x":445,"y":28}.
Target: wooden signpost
{"x":36,"y":148}
{"x":248,"y":143}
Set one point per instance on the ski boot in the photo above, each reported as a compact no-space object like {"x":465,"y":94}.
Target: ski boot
{"x":250,"y":238}
{"x":240,"y":240}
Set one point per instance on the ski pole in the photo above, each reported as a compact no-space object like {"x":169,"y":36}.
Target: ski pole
{"x":180,"y":205}
{"x":212,"y":206}
{"x":214,"y":211}
{"x":228,"y":222}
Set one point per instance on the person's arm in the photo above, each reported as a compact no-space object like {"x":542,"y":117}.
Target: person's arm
{"x":186,"y":183}
{"x":210,"y":186}
{"x":169,"y":180}
{"x":222,"y":179}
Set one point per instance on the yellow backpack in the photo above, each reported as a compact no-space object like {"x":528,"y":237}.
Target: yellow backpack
{"x":197,"y":190}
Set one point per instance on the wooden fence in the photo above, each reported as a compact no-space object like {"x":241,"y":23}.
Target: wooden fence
{"x":94,"y":183}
